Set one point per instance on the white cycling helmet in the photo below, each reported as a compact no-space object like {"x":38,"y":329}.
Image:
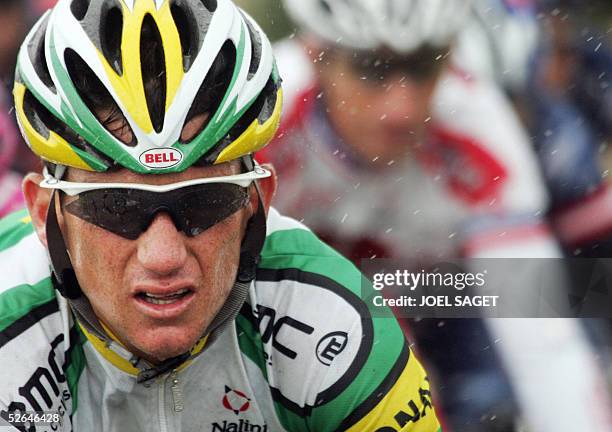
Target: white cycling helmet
{"x":401,"y":25}
{"x":84,"y":55}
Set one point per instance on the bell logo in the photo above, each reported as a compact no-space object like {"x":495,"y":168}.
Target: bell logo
{"x":161,"y":158}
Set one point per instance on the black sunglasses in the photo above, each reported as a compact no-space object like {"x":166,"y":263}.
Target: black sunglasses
{"x":128,"y":209}
{"x":377,"y":67}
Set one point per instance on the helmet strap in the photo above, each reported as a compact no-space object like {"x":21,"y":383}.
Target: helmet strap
{"x":63,"y":277}
{"x":255,"y":234}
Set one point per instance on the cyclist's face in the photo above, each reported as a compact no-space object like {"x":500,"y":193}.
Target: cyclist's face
{"x":378,"y":105}
{"x":194,"y":275}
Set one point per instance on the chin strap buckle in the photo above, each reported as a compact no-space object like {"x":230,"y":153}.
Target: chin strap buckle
{"x":166,"y":366}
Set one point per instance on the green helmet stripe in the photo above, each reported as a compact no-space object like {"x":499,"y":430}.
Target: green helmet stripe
{"x":92,"y":130}
{"x":91,"y":160}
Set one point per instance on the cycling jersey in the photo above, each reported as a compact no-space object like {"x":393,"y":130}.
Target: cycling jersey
{"x":304,"y":354}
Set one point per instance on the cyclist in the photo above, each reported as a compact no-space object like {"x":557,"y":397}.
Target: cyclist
{"x":389,"y":149}
{"x":177,"y":299}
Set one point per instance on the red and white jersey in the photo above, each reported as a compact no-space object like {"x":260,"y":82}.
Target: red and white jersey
{"x":473,"y":189}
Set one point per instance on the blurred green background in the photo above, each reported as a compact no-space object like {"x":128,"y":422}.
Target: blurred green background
{"x":270,"y":15}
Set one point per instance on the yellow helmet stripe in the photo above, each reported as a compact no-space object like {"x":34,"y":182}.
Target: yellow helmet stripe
{"x":255,"y":137}
{"x":55,"y":148}
{"x":171,"y":42}
{"x":130,"y":87}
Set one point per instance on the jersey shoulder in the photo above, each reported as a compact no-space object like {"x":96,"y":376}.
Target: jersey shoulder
{"x":23,"y":259}
{"x":297,"y":72}
{"x":41,"y":360}
{"x":477,"y":127}
{"x":332,"y":362}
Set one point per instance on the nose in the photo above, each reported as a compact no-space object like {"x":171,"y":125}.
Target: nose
{"x":161,"y":248}
{"x":402,"y":103}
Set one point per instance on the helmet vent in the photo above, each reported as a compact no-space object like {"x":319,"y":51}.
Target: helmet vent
{"x":187,"y":28}
{"x":215,"y":85}
{"x":44,"y":121}
{"x":110,"y":38}
{"x":256,"y":48}
{"x":79,"y":8}
{"x":153,"y":66}
{"x":36,"y":51}
{"x":98,"y":99}
{"x":261,"y":110}
{"x":211,"y":5}
{"x":35,"y":111}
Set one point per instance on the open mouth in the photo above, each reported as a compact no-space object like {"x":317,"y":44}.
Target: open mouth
{"x":165,"y":299}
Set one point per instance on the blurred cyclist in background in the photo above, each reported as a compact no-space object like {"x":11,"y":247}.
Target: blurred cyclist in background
{"x":556,"y":62}
{"x":571,"y":96}
{"x":389,"y":149}
{"x":11,"y":197}
{"x":14,"y":21}
{"x":16,"y":17}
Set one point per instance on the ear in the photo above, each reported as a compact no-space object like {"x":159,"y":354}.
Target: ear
{"x":267,"y":189}
{"x":37,"y":200}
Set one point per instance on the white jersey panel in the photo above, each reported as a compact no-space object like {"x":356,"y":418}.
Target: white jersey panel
{"x":16,"y":271}
{"x":307,"y":338}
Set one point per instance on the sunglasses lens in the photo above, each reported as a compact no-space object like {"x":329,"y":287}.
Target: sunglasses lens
{"x":128,"y":212}
{"x":115,"y":210}
{"x":201,"y":207}
{"x":376,"y":68}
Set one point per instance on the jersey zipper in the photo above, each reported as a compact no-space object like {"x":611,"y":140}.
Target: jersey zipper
{"x":177,"y":398}
{"x":163,"y":424}
{"x":177,"y":394}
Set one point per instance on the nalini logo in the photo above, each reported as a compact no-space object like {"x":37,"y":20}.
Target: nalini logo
{"x":235,"y":400}
{"x":161,"y":158}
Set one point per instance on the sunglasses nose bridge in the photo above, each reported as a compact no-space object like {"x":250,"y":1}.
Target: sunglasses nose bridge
{"x":161,"y":247}
{"x":161,"y":215}
{"x":166,"y":211}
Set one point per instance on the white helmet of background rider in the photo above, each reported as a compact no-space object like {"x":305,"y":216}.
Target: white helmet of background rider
{"x":401,"y":25}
